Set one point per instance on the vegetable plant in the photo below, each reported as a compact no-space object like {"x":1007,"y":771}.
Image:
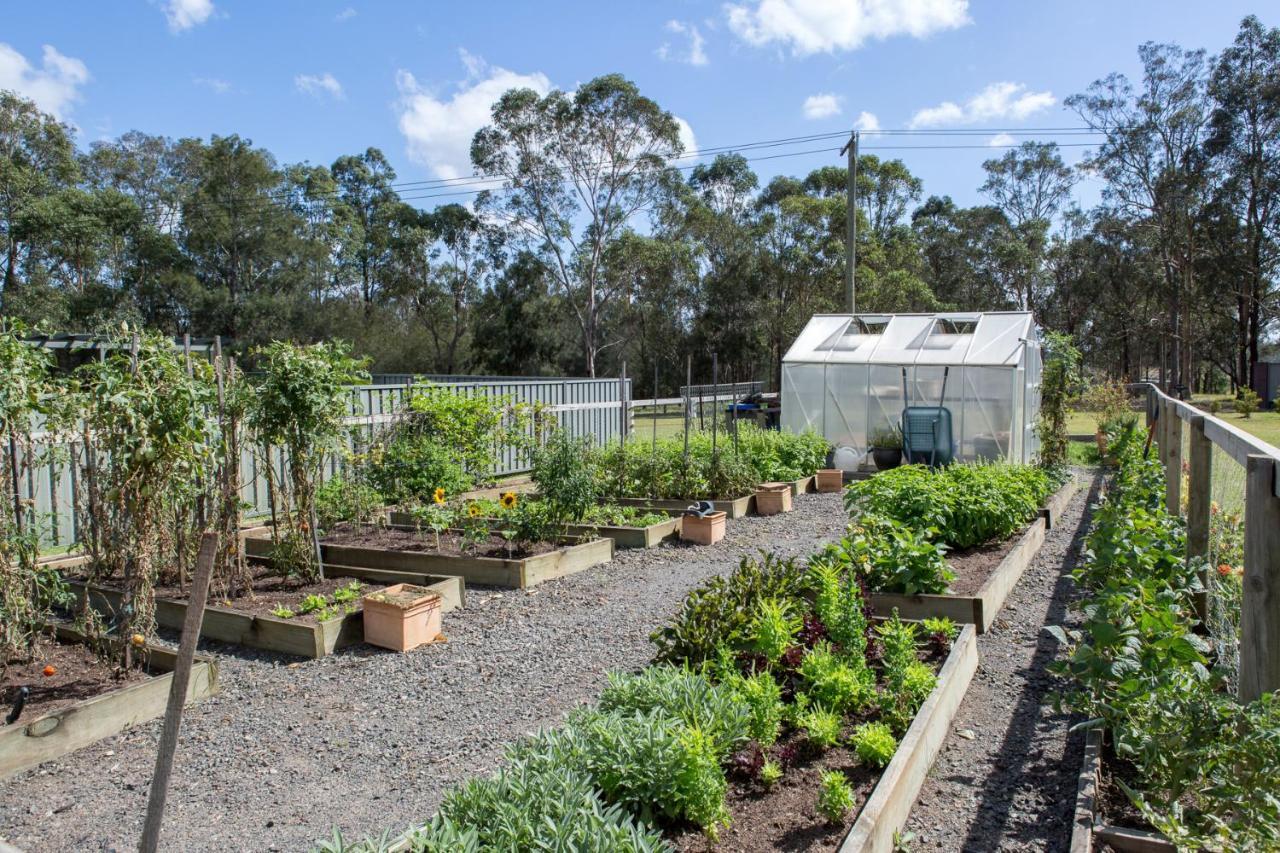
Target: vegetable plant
{"x":835,"y":796}
{"x":874,"y":743}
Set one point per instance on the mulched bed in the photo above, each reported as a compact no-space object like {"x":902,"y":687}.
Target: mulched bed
{"x":973,"y":567}
{"x":80,"y":675}
{"x":451,"y":542}
{"x":1113,"y":804}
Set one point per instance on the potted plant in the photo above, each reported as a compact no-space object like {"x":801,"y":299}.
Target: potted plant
{"x":886,"y":449}
{"x":401,"y":617}
{"x":702,"y":529}
{"x":773,"y":498}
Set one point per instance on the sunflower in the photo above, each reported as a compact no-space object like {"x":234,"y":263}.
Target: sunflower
{"x":438,"y":496}
{"x":508,"y":500}
{"x":473,"y":510}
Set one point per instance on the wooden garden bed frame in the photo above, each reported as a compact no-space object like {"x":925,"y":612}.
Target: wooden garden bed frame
{"x":980,"y":609}
{"x":491,"y":571}
{"x":1089,"y":825}
{"x":271,"y":633}
{"x":734,"y":508}
{"x":886,"y":809}
{"x":24,"y":745}
{"x":623,"y":536}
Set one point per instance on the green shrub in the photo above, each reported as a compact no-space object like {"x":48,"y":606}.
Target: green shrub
{"x":340,"y":499}
{"x":1247,"y":402}
{"x":841,"y":686}
{"x":408,"y":465}
{"x":564,"y":472}
{"x":821,"y":726}
{"x":774,"y":628}
{"x":770,"y":773}
{"x":907,"y":681}
{"x":765,"y":709}
{"x":874,"y":743}
{"x":835,"y":796}
{"x":720,"y":612}
{"x":839,"y":604}
{"x":890,"y":555}
{"x":718,"y":711}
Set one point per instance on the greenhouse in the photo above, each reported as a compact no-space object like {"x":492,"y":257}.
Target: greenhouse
{"x":852,"y":377}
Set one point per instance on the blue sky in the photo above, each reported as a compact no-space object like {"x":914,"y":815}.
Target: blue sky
{"x":314,"y":79}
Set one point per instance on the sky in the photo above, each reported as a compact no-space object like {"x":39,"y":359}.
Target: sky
{"x":311,"y":80}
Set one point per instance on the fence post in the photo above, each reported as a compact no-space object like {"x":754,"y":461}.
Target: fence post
{"x":1260,"y":607}
{"x":1198,"y":493}
{"x":1172,"y":453}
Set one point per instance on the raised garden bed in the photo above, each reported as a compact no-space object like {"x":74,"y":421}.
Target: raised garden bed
{"x":256,"y":627}
{"x":401,"y":548}
{"x":1091,"y":825}
{"x":734,"y":508}
{"x":982,"y":591}
{"x":43,"y":735}
{"x":623,"y":536}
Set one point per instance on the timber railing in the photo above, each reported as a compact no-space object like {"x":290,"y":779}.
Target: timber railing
{"x":1185,"y":434}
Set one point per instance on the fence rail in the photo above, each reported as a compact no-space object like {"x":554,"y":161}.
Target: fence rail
{"x":1259,"y":632}
{"x":583,"y":407}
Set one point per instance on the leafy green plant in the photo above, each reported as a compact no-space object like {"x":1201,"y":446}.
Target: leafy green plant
{"x":821,"y":726}
{"x":282,"y":612}
{"x":890,"y":555}
{"x":835,"y":796}
{"x":907,"y":681}
{"x":1247,"y":402}
{"x":886,"y":439}
{"x":762,"y":695}
{"x":563,"y":470}
{"x":839,"y":603}
{"x":774,"y":628}
{"x":1060,"y":373}
{"x":341,"y":499}
{"x":770,"y":773}
{"x":835,"y":684}
{"x":720,"y":712}
{"x":874,"y":744}
{"x":941,"y":632}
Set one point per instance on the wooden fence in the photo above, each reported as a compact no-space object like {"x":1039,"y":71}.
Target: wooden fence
{"x":1260,"y":606}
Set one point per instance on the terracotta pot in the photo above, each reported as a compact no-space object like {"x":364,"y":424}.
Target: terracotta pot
{"x":401,"y":617}
{"x":830,"y":480}
{"x":702,"y":530}
{"x":773,"y":498}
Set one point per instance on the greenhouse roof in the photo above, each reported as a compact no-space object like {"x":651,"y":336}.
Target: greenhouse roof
{"x":990,"y":339}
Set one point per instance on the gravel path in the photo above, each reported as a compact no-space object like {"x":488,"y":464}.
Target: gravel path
{"x":1006,"y":776}
{"x":367,"y":740}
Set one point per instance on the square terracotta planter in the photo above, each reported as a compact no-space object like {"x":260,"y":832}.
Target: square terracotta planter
{"x":401,"y":617}
{"x":773,"y":498}
{"x":702,"y":530}
{"x":830,"y":480}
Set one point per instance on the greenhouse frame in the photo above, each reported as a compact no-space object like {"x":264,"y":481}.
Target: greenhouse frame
{"x":850,"y":376}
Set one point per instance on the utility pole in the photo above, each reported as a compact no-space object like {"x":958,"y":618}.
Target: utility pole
{"x":851,"y":217}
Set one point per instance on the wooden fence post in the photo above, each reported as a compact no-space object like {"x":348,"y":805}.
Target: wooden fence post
{"x":1260,"y":607}
{"x":1172,"y":457}
{"x":1198,"y":505}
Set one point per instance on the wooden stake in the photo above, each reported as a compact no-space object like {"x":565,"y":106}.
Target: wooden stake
{"x":1260,"y":607}
{"x":1173,"y":459}
{"x":688,"y":405}
{"x":178,"y":693}
{"x":1198,"y":505}
{"x":715,"y":398}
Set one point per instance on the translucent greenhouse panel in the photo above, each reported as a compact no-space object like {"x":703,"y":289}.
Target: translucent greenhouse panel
{"x":1018,"y":394}
{"x":845,"y":419}
{"x":884,"y":398}
{"x":802,"y":397}
{"x":988,"y":413}
{"x":1035,"y":382}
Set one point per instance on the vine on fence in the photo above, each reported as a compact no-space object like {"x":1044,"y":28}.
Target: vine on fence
{"x":298,"y":406}
{"x":1061,"y":373}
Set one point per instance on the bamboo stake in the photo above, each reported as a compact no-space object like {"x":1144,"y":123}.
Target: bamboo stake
{"x":178,"y":693}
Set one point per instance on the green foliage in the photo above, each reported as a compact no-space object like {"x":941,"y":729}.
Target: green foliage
{"x":408,"y":465}
{"x":638,"y":469}
{"x":960,"y":506}
{"x":907,"y":681}
{"x":720,"y":712}
{"x":565,"y":474}
{"x":886,"y":439}
{"x":612,"y":515}
{"x":341,"y":499}
{"x":472,"y":427}
{"x":874,"y":743}
{"x":821,"y":726}
{"x":762,"y":695}
{"x":839,"y":603}
{"x":1060,"y":373}
{"x":770,"y":773}
{"x":835,"y":796}
{"x":940,"y":626}
{"x":778,"y":455}
{"x":1247,"y":402}
{"x":890,"y":555}
{"x":844,"y":684}
{"x":774,"y":628}
{"x":720,"y":613}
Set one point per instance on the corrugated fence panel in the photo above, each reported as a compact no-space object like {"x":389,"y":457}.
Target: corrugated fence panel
{"x":583,"y":407}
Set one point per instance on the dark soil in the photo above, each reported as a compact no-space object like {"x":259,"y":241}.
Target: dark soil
{"x":1006,"y":777}
{"x":973,"y":567}
{"x":1114,"y":805}
{"x":80,"y":675}
{"x":451,"y":543}
{"x":786,"y":817}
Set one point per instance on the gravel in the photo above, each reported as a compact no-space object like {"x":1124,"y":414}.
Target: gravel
{"x":1006,"y":776}
{"x":368,"y":740}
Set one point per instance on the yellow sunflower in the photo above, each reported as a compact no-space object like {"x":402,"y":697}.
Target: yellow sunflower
{"x":473,"y":510}
{"x":438,"y":497}
{"x":508,"y":500}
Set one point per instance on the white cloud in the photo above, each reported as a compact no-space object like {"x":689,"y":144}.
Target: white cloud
{"x":345,"y":15}
{"x":687,"y":139}
{"x":319,"y":85}
{"x":1001,"y":140}
{"x":54,"y":86}
{"x":439,"y":130}
{"x":826,"y":26}
{"x":216,"y":84}
{"x":867,"y":123}
{"x":185,"y":14}
{"x":1003,"y":100}
{"x":820,"y":106}
{"x":695,"y":54}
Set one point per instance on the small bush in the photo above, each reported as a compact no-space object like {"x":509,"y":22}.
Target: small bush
{"x":874,"y":743}
{"x":718,"y":711}
{"x":890,"y":555}
{"x":835,"y":796}
{"x":843,"y":687}
{"x":340,"y":499}
{"x":763,"y":698}
{"x":1247,"y":402}
{"x":774,"y":628}
{"x":770,"y":773}
{"x":821,"y":727}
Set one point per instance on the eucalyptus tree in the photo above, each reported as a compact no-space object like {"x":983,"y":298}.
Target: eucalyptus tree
{"x":369,"y":207}
{"x":576,"y":168}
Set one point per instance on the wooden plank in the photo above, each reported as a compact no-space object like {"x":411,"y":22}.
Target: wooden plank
{"x":77,"y":726}
{"x":1126,"y":840}
{"x":1260,"y":607}
{"x":1087,"y":794}
{"x":1172,"y":460}
{"x":1057,"y":502}
{"x":566,"y":561}
{"x":961,"y":609}
{"x":996,"y":590}
{"x":736,"y":508}
{"x":886,"y":810}
{"x":622,"y":536}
